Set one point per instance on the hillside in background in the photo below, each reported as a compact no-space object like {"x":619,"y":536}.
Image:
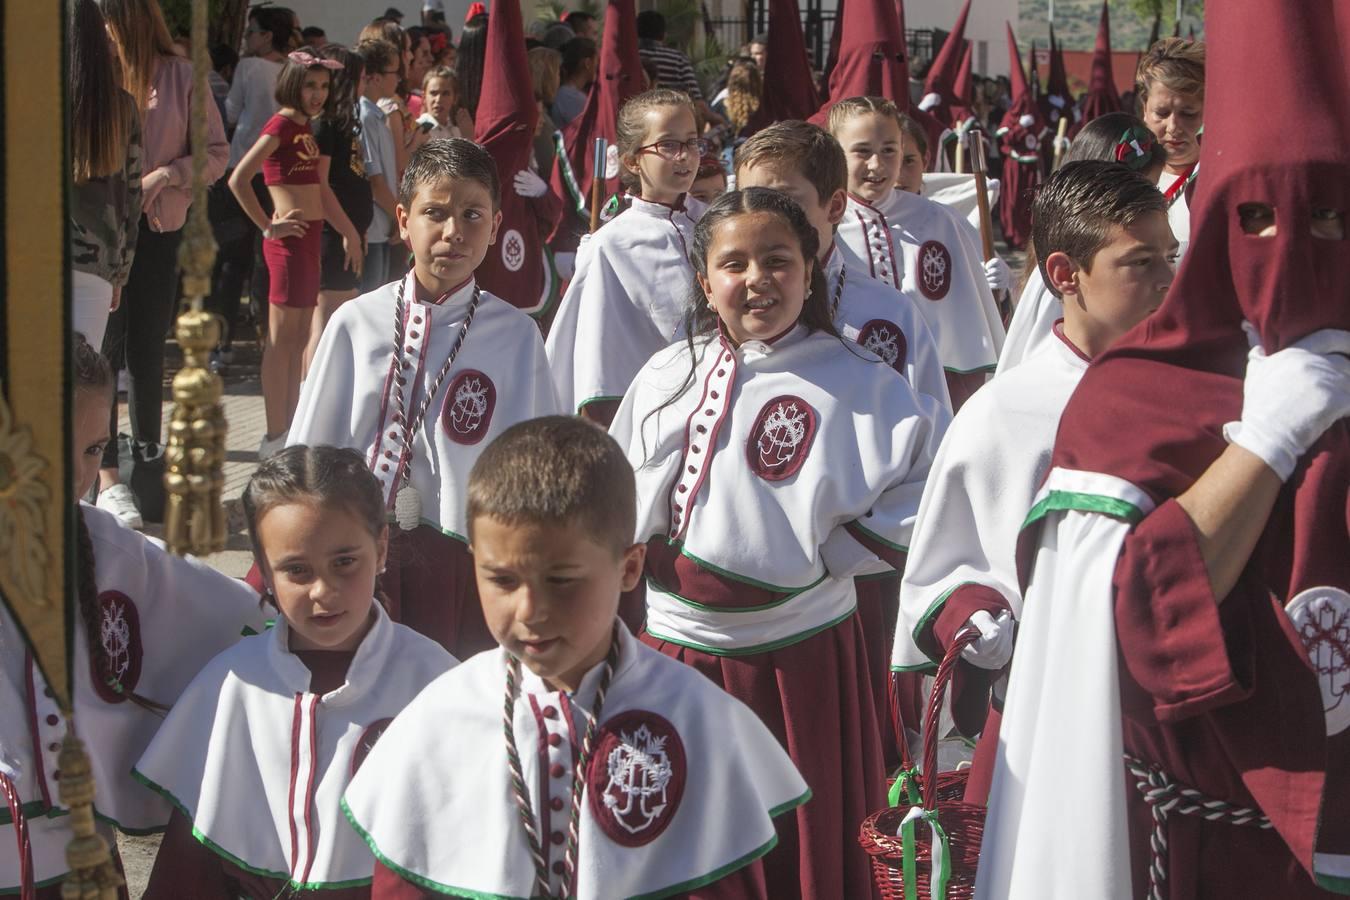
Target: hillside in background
{"x":1076,"y":23}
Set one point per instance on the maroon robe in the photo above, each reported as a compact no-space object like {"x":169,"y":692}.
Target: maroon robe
{"x":1021,"y":147}
{"x":1222,"y":693}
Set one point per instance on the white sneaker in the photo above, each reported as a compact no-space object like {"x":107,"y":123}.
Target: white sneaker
{"x":119,"y":501}
{"x":270,"y":447}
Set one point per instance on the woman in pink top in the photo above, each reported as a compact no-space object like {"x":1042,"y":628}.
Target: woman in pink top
{"x":293,"y":238}
{"x":161,"y":83}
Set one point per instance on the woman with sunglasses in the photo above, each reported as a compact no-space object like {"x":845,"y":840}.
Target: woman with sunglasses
{"x":626,"y":300}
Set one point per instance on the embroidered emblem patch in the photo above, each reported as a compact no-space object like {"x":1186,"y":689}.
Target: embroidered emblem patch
{"x":1032,"y":143}
{"x":119,"y":634}
{"x":781,"y":437}
{"x":366,"y":742}
{"x":636,"y":777}
{"x":469,"y":402}
{"x":886,"y":340}
{"x":935,"y":270}
{"x":1321,"y":616}
{"x":513,"y":250}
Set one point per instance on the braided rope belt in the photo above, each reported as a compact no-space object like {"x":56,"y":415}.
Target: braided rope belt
{"x":1166,"y":796}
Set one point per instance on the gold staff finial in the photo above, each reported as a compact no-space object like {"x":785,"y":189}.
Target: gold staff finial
{"x":194,"y":521}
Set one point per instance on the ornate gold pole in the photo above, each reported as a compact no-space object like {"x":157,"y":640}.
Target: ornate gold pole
{"x":194,"y":521}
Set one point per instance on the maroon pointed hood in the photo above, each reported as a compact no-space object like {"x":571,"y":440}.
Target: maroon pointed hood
{"x":787,"y":68}
{"x":618,"y":78}
{"x":1288,"y":285}
{"x":963,"y":91}
{"x":1020,"y":134}
{"x":504,"y":124}
{"x":946,"y":68}
{"x":873,"y":61}
{"x":1102,"y":96}
{"x":1057,"y":99}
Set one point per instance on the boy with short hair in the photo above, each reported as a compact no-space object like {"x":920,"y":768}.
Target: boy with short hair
{"x":380,"y":79}
{"x":419,"y":375}
{"x":917,"y":246}
{"x":621,"y":773}
{"x":1107,"y":251}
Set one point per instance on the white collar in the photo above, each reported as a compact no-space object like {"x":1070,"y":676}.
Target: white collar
{"x":457,"y":297}
{"x":531,"y":683}
{"x":660,"y":210}
{"x":370,"y":658}
{"x":752,"y":350}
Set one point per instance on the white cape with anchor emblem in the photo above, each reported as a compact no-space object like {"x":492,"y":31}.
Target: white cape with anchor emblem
{"x":909,"y":348}
{"x":349,"y":398}
{"x":435,"y":801}
{"x":786,"y":469}
{"x":258,"y":764}
{"x":165,"y":618}
{"x":626,"y":301}
{"x":927,"y":251}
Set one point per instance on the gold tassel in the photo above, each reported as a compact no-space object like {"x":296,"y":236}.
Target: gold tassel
{"x":92,"y":873}
{"x":194,"y":520}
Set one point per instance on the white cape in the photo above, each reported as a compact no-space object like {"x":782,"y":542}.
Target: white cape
{"x":1032,"y":322}
{"x":449,"y":821}
{"x":249,"y":731}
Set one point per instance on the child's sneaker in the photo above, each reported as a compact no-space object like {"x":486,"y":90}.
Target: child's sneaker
{"x":119,"y":501}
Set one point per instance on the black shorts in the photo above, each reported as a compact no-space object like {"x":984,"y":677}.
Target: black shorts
{"x":335,"y":276}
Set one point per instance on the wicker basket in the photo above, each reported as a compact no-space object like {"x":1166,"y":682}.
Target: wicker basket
{"x":963,"y":823}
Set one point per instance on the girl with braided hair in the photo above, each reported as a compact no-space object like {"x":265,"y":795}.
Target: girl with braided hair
{"x":146,"y":623}
{"x":264,"y":741}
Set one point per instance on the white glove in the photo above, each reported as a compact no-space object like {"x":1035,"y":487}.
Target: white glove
{"x":1291,"y":397}
{"x":997,"y":273}
{"x":1062,"y":144}
{"x":929,"y":101}
{"x":529,"y":184}
{"x":611,"y":162}
{"x":994,"y":647}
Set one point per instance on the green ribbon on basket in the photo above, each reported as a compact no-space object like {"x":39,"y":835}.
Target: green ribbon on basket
{"x":906,"y":781}
{"x":941,"y":855}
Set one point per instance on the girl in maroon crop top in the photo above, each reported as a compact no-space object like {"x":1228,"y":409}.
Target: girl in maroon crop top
{"x":288,"y":156}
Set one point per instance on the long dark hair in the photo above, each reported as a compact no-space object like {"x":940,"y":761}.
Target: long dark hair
{"x":701,"y":319}
{"x":100,"y":111}
{"x":341,"y":107}
{"x":469,"y":62}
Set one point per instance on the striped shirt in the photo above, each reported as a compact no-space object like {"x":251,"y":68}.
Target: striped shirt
{"x":673,"y":68}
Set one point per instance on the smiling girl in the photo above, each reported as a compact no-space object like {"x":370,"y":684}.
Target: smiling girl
{"x":289,"y":157}
{"x":259,"y":749}
{"x":776,"y":461}
{"x":627,"y":297}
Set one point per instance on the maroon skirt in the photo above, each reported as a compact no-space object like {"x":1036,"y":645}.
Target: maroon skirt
{"x":816,"y":698}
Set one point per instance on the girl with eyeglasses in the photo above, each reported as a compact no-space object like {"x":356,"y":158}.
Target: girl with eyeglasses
{"x":627,"y":298}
